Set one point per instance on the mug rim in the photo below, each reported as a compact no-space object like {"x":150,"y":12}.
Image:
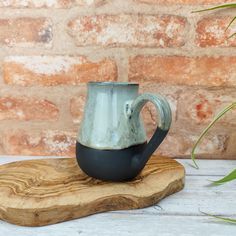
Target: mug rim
{"x":106,"y":83}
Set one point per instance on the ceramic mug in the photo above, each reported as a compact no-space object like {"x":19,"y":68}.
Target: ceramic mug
{"x":112,"y":143}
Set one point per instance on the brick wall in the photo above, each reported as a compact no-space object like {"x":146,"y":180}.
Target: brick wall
{"x":51,"y":48}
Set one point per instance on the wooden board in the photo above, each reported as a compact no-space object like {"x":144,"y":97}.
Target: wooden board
{"x":42,"y":192}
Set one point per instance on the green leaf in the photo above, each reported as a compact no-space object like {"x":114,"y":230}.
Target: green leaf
{"x":205,"y":131}
{"x":231,"y":176}
{"x":228,"y":220}
{"x":230,"y":23}
{"x":233,"y":5}
{"x":231,"y":36}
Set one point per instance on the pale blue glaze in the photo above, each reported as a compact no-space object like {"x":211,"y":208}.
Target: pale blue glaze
{"x":108,"y":122}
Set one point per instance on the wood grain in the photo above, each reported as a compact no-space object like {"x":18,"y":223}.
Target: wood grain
{"x":43,"y":192}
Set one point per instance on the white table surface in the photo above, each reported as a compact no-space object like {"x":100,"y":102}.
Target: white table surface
{"x":176,"y":215}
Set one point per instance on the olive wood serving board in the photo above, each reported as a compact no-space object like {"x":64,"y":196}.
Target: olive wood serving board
{"x":43,"y":192}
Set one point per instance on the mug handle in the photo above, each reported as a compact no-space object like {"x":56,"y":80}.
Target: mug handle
{"x":165,"y":118}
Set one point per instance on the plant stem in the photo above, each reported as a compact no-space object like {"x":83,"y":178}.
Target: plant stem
{"x":230,"y":23}
{"x":233,"y":5}
{"x":231,"y":36}
{"x":228,"y":220}
{"x":204,"y":132}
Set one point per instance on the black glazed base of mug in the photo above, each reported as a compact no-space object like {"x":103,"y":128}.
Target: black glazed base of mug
{"x":110,"y":165}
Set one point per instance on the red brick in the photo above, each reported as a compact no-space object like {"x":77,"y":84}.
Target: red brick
{"x":231,"y":147}
{"x":27,"y":108}
{"x":77,"y":108}
{"x":2,"y":150}
{"x":25,"y":31}
{"x":185,"y":2}
{"x":56,"y":70}
{"x":211,"y":31}
{"x":88,"y":2}
{"x":200,"y":106}
{"x":48,"y":3}
{"x":180,"y":145}
{"x":181,"y":70}
{"x":35,"y":4}
{"x":128,"y":30}
{"x":47,"y":143}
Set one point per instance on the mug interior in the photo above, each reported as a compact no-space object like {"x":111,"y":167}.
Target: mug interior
{"x":113,"y":83}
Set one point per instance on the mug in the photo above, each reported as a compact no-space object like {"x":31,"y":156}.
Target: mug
{"x":112,"y":143}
